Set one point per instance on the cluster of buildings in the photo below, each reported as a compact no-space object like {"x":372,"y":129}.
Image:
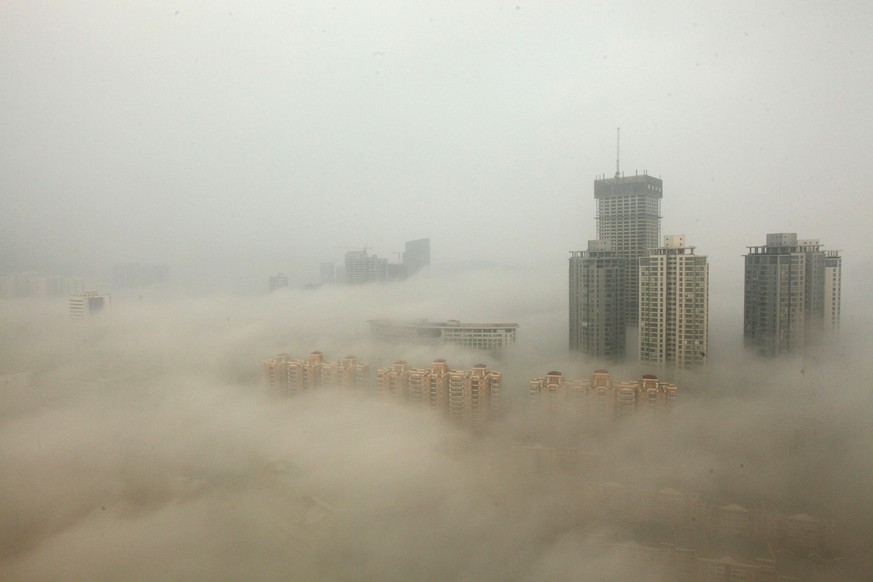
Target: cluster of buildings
{"x":630,"y":278}
{"x":35,"y":284}
{"x":361,"y":267}
{"x":288,"y":376}
{"x":471,"y":397}
{"x":490,"y":337}
{"x":468,"y":397}
{"x":599,"y":397}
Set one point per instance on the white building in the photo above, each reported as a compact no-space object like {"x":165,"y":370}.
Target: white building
{"x":674,"y":305}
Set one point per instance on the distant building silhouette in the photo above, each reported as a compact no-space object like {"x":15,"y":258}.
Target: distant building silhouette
{"x":328,"y":273}
{"x":480,"y":336}
{"x":88,"y":304}
{"x":416,"y":256}
{"x":362,"y":267}
{"x":277,"y":281}
{"x":34,"y":284}
{"x":674,"y":305}
{"x":792,"y":294}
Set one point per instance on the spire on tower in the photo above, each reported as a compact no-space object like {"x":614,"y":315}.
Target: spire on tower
{"x":617,"y":151}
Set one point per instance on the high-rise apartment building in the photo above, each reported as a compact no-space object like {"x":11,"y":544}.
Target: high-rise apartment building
{"x":362,"y":267}
{"x":792,"y":294}
{"x":674,"y":305}
{"x":629,"y":215}
{"x":288,"y":376}
{"x":416,"y":256}
{"x":467,"y":397}
{"x":601,"y":398}
{"x":597,"y":300}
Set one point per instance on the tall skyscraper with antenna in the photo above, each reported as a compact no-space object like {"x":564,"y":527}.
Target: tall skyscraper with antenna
{"x":604,"y":281}
{"x":629,"y":215}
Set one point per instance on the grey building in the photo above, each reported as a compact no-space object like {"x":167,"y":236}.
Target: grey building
{"x":674,"y":305}
{"x":416,"y":256}
{"x":361,"y":267}
{"x":792,"y":294}
{"x":597,"y":300}
{"x":629,"y":215}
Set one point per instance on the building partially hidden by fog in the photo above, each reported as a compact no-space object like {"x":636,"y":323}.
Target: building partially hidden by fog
{"x":674,"y":305}
{"x":34,"y":284}
{"x":629,"y":215}
{"x":468,"y":397}
{"x":480,"y":336}
{"x":792,"y":294}
{"x":600,"y":397}
{"x":362,"y":267}
{"x":277,"y":281}
{"x":597,"y":301}
{"x":416,"y":256}
{"x":88,"y":304}
{"x":287,"y":375}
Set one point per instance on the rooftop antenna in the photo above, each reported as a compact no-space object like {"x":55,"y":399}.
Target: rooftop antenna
{"x":617,"y":150}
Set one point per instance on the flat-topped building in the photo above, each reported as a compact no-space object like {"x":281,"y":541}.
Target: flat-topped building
{"x":480,"y":336}
{"x":629,"y":215}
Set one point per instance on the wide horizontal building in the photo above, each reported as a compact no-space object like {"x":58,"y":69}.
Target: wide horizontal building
{"x":480,"y":336}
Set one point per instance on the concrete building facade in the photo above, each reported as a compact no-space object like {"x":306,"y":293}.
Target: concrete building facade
{"x":597,"y":300}
{"x":792,"y":294}
{"x":468,"y":397}
{"x":362,"y":267}
{"x":629,"y":215}
{"x":287,"y":376}
{"x":674,"y":305}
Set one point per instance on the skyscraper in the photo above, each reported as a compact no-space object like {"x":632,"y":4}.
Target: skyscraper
{"x":792,"y":294}
{"x":417,"y":255}
{"x":362,"y":267}
{"x":674,"y":305}
{"x":597,"y":300}
{"x":629,"y":215}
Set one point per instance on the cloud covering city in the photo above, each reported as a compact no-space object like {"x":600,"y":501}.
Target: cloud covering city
{"x":222,"y":143}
